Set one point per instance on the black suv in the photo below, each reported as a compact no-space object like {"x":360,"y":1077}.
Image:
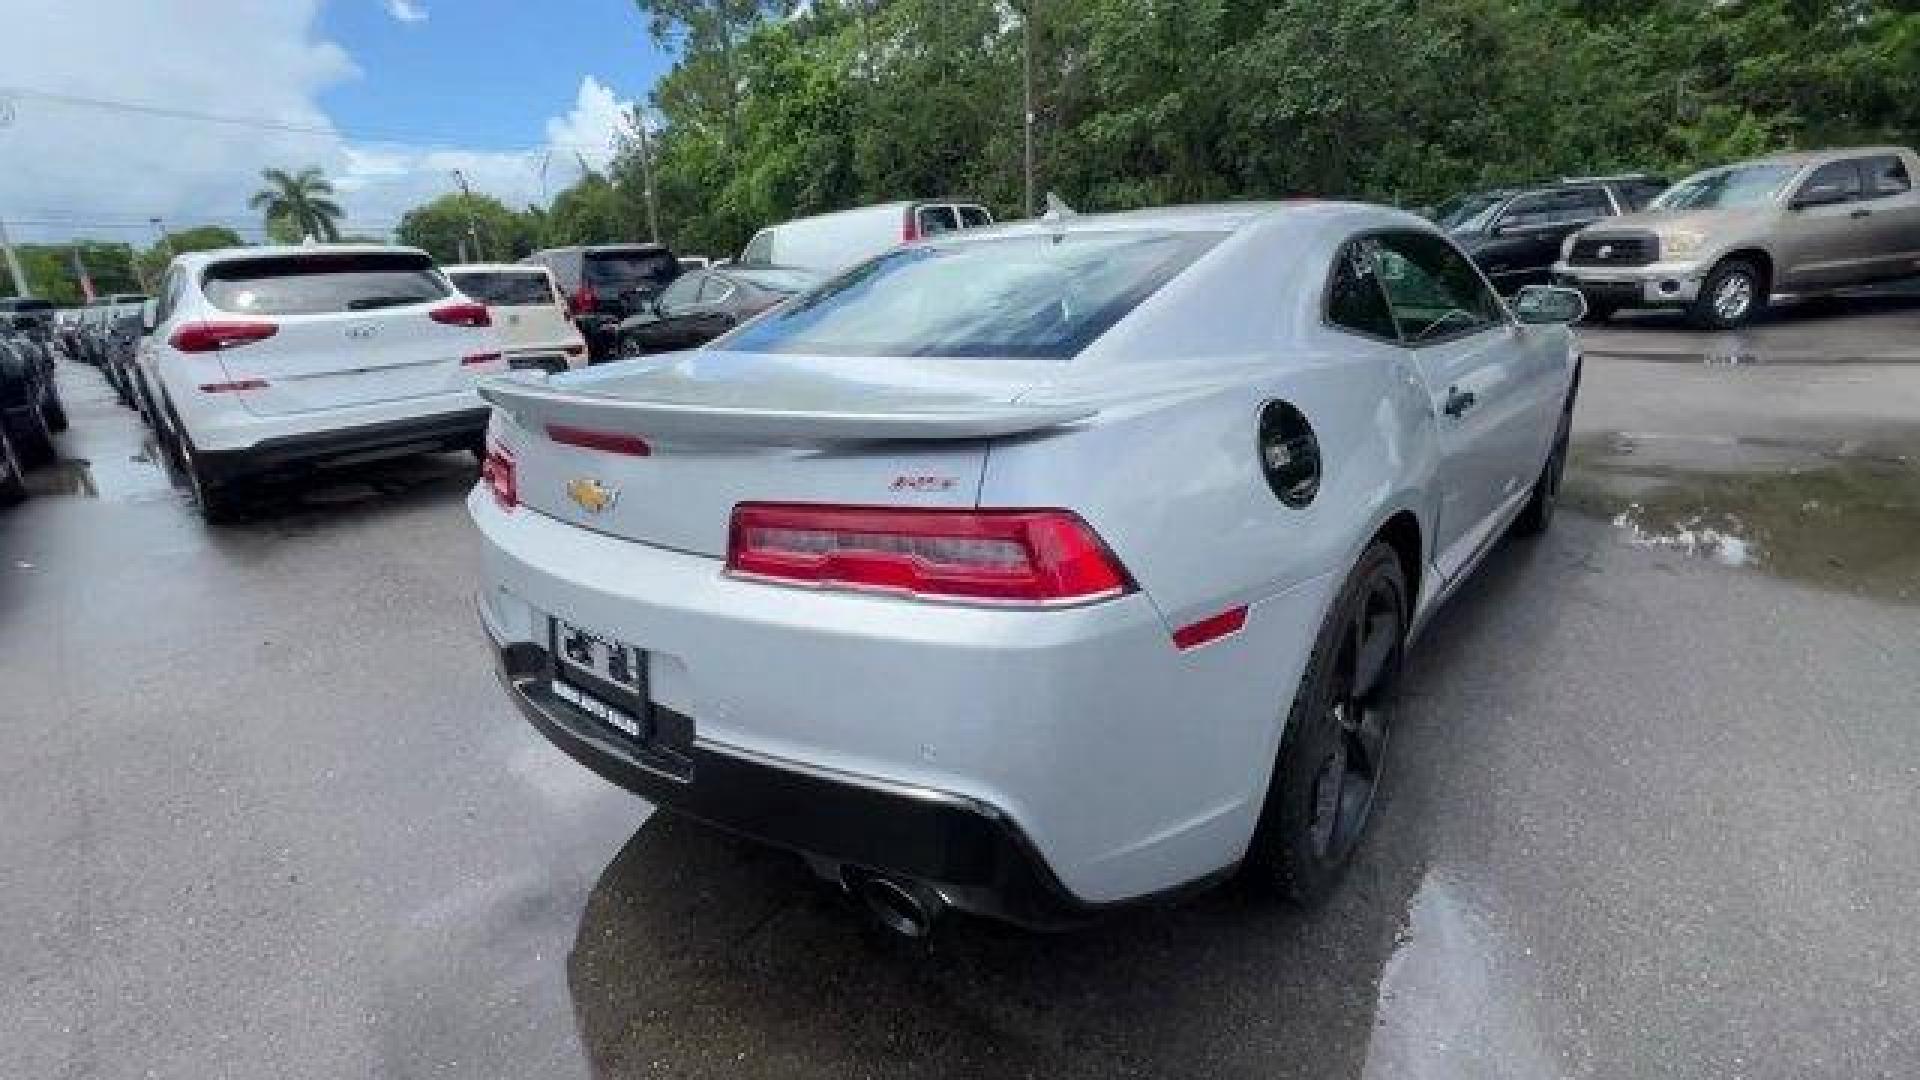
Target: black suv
{"x":605,"y":283}
{"x":1515,"y":233}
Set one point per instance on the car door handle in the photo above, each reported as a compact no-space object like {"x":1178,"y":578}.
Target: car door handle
{"x":1861,"y":212}
{"x":1458,"y":401}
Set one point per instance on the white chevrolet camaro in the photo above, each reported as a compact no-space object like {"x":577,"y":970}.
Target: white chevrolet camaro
{"x":1034,"y":570}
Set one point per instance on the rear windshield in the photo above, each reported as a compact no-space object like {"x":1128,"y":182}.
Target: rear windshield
{"x":620,"y":271}
{"x":1016,"y":296}
{"x":321,"y":283}
{"x":780,"y":279}
{"x":503,"y":289}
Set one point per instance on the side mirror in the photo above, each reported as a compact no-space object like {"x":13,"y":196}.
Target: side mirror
{"x":1819,"y":195}
{"x":1538,"y":305}
{"x":149,"y":316}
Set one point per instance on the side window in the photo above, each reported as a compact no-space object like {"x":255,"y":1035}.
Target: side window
{"x":1844,"y":175}
{"x":169,"y":296}
{"x":1433,"y":291}
{"x":935,"y":220}
{"x":974,"y":217}
{"x":759,"y":250}
{"x":1639,"y":193}
{"x":1886,"y":176}
{"x":1354,"y":297}
{"x":681,"y":295}
{"x":715,"y":289}
{"x":1581,"y":205}
{"x":1526,"y":211}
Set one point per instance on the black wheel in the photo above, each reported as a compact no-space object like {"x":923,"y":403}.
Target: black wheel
{"x":216,"y":501}
{"x":1538,"y":513}
{"x":55,"y":413}
{"x":13,"y":487}
{"x":1334,"y":750}
{"x":1734,"y":294}
{"x":32,"y":439}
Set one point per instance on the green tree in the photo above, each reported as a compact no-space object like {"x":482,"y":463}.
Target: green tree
{"x":300,"y":201}
{"x":441,"y":228}
{"x":153,"y":261}
{"x":594,"y":211}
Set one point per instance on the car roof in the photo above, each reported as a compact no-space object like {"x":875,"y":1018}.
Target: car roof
{"x":276,"y":251}
{"x":595,"y":249}
{"x":1197,"y":217}
{"x":1809,"y":157}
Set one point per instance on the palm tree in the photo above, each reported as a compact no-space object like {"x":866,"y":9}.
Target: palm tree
{"x":301,"y":200}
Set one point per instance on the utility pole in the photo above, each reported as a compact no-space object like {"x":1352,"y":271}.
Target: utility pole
{"x":473,"y":226}
{"x":20,"y":286}
{"x":166,"y":242}
{"x":1026,"y":95}
{"x":646,"y":178}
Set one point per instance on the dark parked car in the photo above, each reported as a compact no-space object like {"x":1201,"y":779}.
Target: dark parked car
{"x":30,"y":408}
{"x":701,"y":306}
{"x":1514,"y":234}
{"x":606,"y":283}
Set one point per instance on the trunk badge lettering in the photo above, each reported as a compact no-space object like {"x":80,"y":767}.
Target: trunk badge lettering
{"x":592,"y":495}
{"x":362,"y":331}
{"x":922,"y":483}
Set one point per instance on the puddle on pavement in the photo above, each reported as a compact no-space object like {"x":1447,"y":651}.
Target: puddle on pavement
{"x":1843,"y":517}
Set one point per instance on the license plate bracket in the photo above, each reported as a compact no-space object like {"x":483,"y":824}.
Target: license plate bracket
{"x":603,"y":677}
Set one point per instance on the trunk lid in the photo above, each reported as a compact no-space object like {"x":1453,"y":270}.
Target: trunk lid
{"x":351,"y":328}
{"x":726,"y":428}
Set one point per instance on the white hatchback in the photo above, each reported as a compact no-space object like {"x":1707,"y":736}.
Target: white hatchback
{"x":265,"y":360}
{"x":536,"y":331}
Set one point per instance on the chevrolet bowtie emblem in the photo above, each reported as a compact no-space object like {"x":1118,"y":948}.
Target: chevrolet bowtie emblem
{"x":592,"y":495}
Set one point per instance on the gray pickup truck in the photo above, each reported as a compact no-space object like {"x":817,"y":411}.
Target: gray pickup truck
{"x":1727,"y":242}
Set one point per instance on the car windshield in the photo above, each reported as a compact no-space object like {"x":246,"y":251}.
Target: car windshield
{"x":506,"y":288}
{"x":1739,"y":185}
{"x":1040,"y":295}
{"x":1467,"y":213}
{"x":319,"y":283}
{"x":621,"y":271}
{"x":780,"y":279}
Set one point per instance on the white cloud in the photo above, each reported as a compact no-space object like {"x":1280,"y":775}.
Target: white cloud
{"x":407,"y":11}
{"x":82,"y":171}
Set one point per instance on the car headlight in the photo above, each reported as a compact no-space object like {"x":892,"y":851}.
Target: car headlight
{"x":1681,"y":243}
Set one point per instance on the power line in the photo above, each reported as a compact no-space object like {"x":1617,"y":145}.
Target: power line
{"x":265,"y":124}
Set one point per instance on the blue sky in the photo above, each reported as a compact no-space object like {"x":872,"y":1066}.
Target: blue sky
{"x":486,"y":74}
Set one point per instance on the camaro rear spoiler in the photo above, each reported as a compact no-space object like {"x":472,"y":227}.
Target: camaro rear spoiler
{"x":932,"y":417}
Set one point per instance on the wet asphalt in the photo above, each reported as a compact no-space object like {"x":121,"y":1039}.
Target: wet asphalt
{"x":263,"y":811}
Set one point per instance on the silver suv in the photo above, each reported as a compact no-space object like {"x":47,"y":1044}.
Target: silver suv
{"x":1727,"y":242}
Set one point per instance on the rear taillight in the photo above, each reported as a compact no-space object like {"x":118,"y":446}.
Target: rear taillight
{"x":480,"y":359}
{"x":202,"y":337}
{"x":909,"y":227}
{"x":583,"y":300}
{"x":576,"y":350}
{"x":461,"y":315}
{"x":234,"y":387}
{"x":1018,"y":557}
{"x":613,"y":442}
{"x":500,"y":476}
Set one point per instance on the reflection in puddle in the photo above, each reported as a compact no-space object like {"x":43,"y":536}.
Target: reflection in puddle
{"x":1831,"y":519}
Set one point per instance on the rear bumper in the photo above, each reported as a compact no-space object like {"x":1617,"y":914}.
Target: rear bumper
{"x":286,"y":452}
{"x":969,"y":852}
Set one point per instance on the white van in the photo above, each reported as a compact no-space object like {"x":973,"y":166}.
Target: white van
{"x":536,"y":330}
{"x":830,"y":242}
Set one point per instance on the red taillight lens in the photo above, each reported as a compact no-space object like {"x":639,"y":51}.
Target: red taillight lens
{"x":233,"y":387}
{"x":613,"y":442}
{"x":583,"y":300}
{"x":201,"y":337}
{"x":500,"y":476}
{"x":461,"y":315}
{"x":909,"y":227}
{"x":989,"y":556}
{"x":480,"y":359}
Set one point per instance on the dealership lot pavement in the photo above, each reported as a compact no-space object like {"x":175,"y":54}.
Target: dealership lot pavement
{"x":264,"y":813}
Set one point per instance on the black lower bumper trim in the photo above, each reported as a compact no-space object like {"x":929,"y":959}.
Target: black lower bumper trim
{"x":971,"y":853}
{"x":292,"y":451}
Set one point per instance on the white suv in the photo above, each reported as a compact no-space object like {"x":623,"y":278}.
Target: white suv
{"x":265,"y":360}
{"x":536,"y":330}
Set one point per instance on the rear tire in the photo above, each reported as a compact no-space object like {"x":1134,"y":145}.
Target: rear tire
{"x":14,"y":487}
{"x":1332,"y":754}
{"x":1733,"y":295}
{"x":32,"y":440}
{"x":216,"y":501}
{"x":55,"y":413}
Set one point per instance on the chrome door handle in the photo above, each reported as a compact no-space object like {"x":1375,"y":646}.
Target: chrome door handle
{"x":1458,"y":401}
